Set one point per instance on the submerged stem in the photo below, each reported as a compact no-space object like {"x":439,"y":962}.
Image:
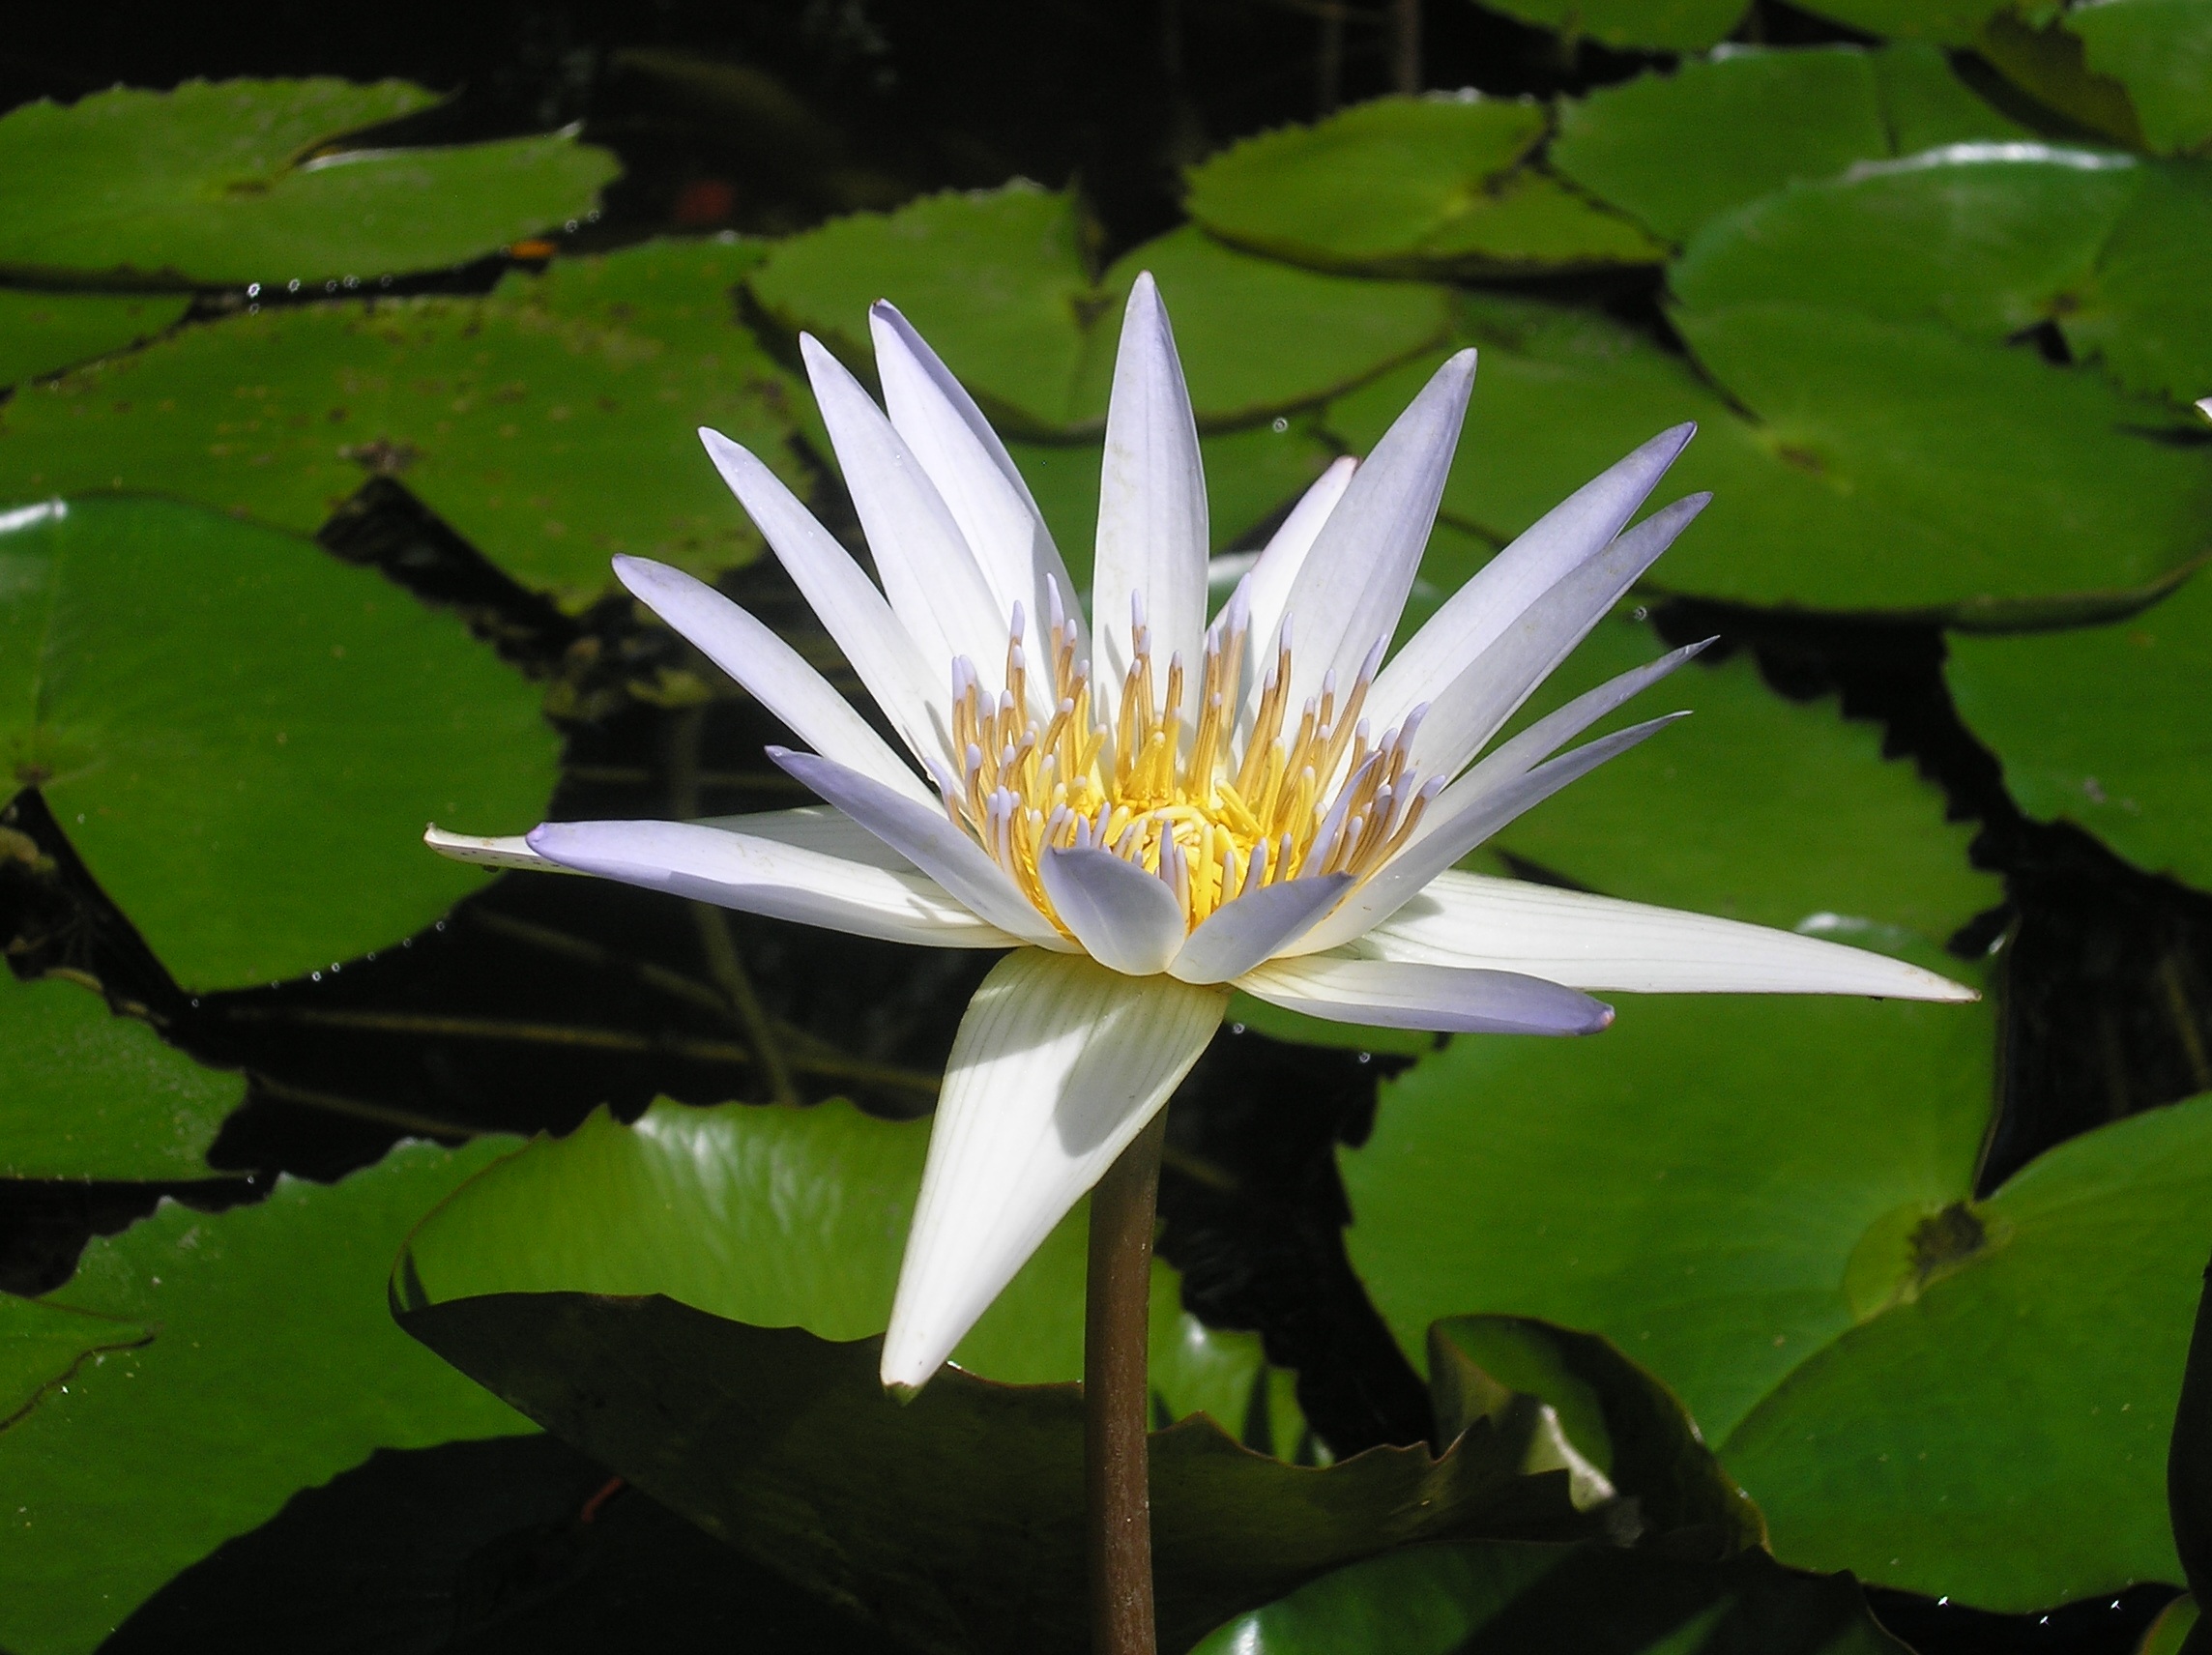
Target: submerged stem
{"x":1116,"y":1399}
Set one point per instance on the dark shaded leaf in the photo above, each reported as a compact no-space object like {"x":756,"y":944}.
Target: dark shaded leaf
{"x":45,"y":333}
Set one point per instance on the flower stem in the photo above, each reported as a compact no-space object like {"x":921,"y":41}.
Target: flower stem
{"x":1116,"y":1399}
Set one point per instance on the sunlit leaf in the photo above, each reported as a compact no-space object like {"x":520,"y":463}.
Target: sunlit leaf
{"x":2161,"y":51}
{"x":2028,"y":1361}
{"x":45,"y":333}
{"x":2107,"y":726}
{"x":244,"y":736}
{"x":42,"y":1345}
{"x":88,"y":1095}
{"x":247,"y":181}
{"x":1440,"y":1600}
{"x":1410,"y":186}
{"x":551,"y":424}
{"x":1675,"y":25}
{"x":272,"y":1366}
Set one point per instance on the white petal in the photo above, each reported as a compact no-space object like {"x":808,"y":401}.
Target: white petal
{"x":1599,"y":941}
{"x":1393,"y":996}
{"x":1478,"y":703}
{"x":1267,"y":585}
{"x":1352,"y":587}
{"x":1126,"y":918}
{"x":1556,"y":727}
{"x":1057,"y":1065}
{"x":974,"y":473}
{"x":775,"y":673}
{"x":1465,"y":814}
{"x":759,"y":876}
{"x":927,"y":839}
{"x":1152,"y":504}
{"x":816,"y":828}
{"x":1240,"y":935}
{"x":507,"y":850}
{"x":916,"y":700}
{"x":1475,"y":616}
{"x":936,"y":587}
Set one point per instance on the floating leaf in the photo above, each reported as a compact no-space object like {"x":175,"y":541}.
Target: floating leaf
{"x":2107,"y":727}
{"x":1669,"y":25}
{"x":41,"y":1345}
{"x":242,"y":737}
{"x":999,"y":285}
{"x":1676,"y":149}
{"x":45,"y":333}
{"x":955,"y":1520}
{"x":247,"y":181}
{"x":551,"y":424}
{"x":2046,"y":59}
{"x":2161,"y":51}
{"x":88,"y":1095}
{"x":1410,"y":186}
{"x":2029,"y":1362}
{"x":274,"y":1365}
{"x":2168,"y":1634}
{"x":1442,"y":1600}
{"x":2189,"y":1463}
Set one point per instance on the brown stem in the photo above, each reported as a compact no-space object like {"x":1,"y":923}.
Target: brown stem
{"x":1116,"y":1399}
{"x":1406,"y":46}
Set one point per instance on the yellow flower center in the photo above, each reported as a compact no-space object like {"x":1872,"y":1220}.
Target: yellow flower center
{"x":1221,"y":817}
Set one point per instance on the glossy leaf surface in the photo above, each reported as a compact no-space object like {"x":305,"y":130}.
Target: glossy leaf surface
{"x":244,"y":736}
{"x":247,"y":181}
{"x":45,"y":333}
{"x":42,"y":1345}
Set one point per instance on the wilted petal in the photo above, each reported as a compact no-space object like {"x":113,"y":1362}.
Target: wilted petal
{"x":759,"y":876}
{"x":1600,"y":943}
{"x":775,"y":673}
{"x":1059,"y":1063}
{"x":504,"y":850}
{"x":1126,"y":918}
{"x":1390,"y":995}
{"x":1151,"y":502}
{"x":1240,"y":935}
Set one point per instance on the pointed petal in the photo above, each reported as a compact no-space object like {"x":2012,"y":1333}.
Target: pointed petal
{"x":1598,"y":941}
{"x":1556,"y":727}
{"x":759,"y":876}
{"x":974,"y":473}
{"x":775,"y":673}
{"x":1466,"y":813}
{"x":923,"y":836}
{"x":1391,"y":994}
{"x":505,"y":850}
{"x":936,"y":587}
{"x":1240,"y":935}
{"x":1152,"y":504}
{"x":1126,"y":918}
{"x":1478,"y":615}
{"x":816,"y":828}
{"x":1473,"y":707}
{"x":1352,"y":584}
{"x":1059,"y":1063}
{"x":1267,"y":586}
{"x":916,"y":700}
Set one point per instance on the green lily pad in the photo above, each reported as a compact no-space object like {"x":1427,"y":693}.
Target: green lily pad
{"x":274,"y":1365}
{"x":88,"y":1095}
{"x":1669,"y":25}
{"x":247,"y":181}
{"x":1440,"y":1600}
{"x":2161,"y":51}
{"x":1675,"y":150}
{"x":45,"y":333}
{"x":1412,"y":187}
{"x":2189,"y":1464}
{"x":242,"y":737}
{"x":2106,"y":727}
{"x":1778,"y":812}
{"x":42,"y":1346}
{"x":2168,"y":1634}
{"x":2035,"y":1370}
{"x":955,"y":1520}
{"x":999,"y":285}
{"x":551,"y":424}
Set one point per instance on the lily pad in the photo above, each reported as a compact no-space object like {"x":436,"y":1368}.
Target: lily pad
{"x":2035,"y":1369}
{"x":1673,"y":150}
{"x":1669,"y":25}
{"x":45,"y":333}
{"x":2106,"y":727}
{"x":998,"y":283}
{"x":1410,"y":186}
{"x":248,"y":181}
{"x":42,"y":1345}
{"x":242,"y":735}
{"x":2161,"y":51}
{"x":88,"y":1095}
{"x":1442,"y":1600}
{"x":272,"y":1366}
{"x":551,"y":424}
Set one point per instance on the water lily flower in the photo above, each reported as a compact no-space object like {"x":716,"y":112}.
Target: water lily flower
{"x":1148,"y":807}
